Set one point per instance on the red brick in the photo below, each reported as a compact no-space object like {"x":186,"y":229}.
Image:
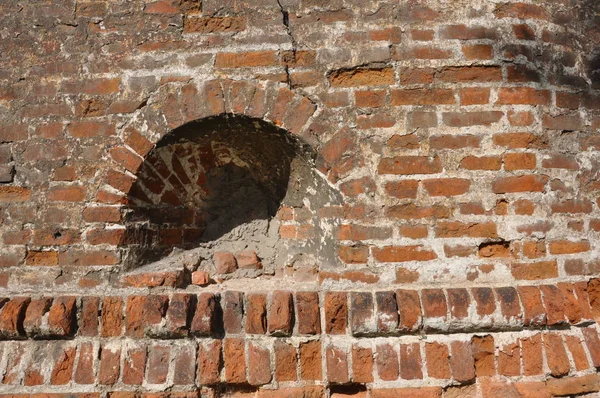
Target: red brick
{"x":556,"y":355}
{"x":232,"y":303}
{"x":524,"y":183}
{"x":214,"y":24}
{"x":386,"y":359}
{"x":451,"y":141}
{"x":62,"y":316}
{"x":568,"y":247}
{"x":574,"y":344}
{"x":286,"y":361}
{"x":209,"y":362}
{"x":519,"y":161}
{"x":310,"y":360}
{"x":464,"y":119}
{"x":509,"y":303}
{"x":362,"y":364}
{"x":456,"y":229}
{"x":410,"y":361}
{"x":392,"y":254}
{"x":92,"y":86}
{"x":509,"y":360}
{"x":535,"y":271}
{"x":532,"y":355}
{"x":177,"y":317}
{"x":134,"y":365}
{"x":416,"y":392}
{"x":461,"y":361}
{"x":309,"y":319}
{"x":204,"y":320}
{"x":418,"y":96}
{"x":62,"y":372}
{"x":404,"y":189}
{"x":32,"y":323}
{"x":474,"y":96}
{"x":362,"y":77}
{"x":112,"y":316}
{"x":281,"y":313}
{"x":486,"y":302}
{"x":157,"y":367}
{"x":256,"y":313}
{"x":478,"y":52}
{"x":523,"y":96}
{"x":572,"y":206}
{"x":110,"y":360}
{"x":249,"y":59}
{"x":11,"y":317}
{"x":225,"y":262}
{"x":484,"y":355}
{"x":593,"y":344}
{"x":409,"y":307}
{"x":481,"y":163}
{"x":259,"y":365}
{"x":446,"y":186}
{"x":84,"y":372}
{"x":354,"y":254}
{"x":573,"y":385}
{"x":336,"y":312}
{"x":362,"y":319}
{"x":437,"y":356}
{"x":458,"y":302}
{"x":467,"y":74}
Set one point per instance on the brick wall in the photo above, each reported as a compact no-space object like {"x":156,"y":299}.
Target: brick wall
{"x":429,"y":214}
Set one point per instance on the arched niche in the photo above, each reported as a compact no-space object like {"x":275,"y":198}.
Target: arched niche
{"x":217,"y":184}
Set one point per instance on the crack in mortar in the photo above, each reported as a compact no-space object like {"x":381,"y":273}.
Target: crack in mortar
{"x":286,"y":22}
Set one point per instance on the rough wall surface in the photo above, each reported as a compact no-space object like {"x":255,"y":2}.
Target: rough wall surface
{"x":299,"y":198}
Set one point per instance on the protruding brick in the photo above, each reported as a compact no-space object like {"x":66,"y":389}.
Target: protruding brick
{"x":112,"y":316}
{"x":11,"y":318}
{"x":177,"y":316}
{"x":32,"y":323}
{"x":336,"y":312}
{"x":387,"y":312}
{"x":409,"y":306}
{"x":204,"y":322}
{"x":362,"y":320}
{"x":62,"y":317}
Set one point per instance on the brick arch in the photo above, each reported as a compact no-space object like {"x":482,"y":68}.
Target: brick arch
{"x":174,"y":105}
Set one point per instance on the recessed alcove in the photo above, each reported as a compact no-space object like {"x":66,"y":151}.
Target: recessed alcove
{"x":217,"y":184}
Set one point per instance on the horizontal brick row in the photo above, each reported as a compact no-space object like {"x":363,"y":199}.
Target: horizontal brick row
{"x":286,"y":313}
{"x":259,"y":362}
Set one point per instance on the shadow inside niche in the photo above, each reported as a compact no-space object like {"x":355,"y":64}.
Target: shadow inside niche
{"x":220,"y":179}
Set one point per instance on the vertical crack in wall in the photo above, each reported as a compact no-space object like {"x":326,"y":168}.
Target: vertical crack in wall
{"x":286,"y":22}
